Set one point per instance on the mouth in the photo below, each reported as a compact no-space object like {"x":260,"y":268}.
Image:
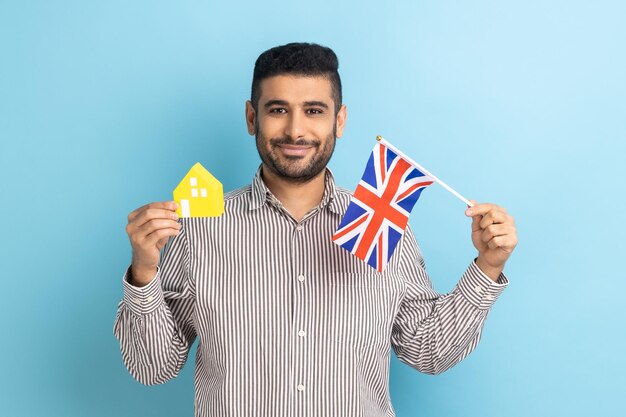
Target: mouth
{"x":294,"y":151}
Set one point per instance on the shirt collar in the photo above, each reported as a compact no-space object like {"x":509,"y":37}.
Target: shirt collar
{"x":260,"y":194}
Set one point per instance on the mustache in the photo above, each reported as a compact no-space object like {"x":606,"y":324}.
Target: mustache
{"x":299,"y":142}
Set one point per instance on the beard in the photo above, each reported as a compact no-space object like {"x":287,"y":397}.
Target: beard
{"x":296,"y":169}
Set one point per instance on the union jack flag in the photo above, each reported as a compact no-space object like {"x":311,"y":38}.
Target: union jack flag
{"x":379,"y":209}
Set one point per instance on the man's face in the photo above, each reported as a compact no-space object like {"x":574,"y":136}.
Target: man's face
{"x":295,"y":125}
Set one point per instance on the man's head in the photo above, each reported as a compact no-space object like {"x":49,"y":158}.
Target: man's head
{"x":295,"y":110}
{"x":298,"y":59}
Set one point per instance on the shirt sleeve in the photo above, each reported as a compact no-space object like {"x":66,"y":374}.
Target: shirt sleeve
{"x":154,"y":323}
{"x":433,"y":332}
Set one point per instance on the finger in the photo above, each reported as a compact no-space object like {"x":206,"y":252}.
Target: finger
{"x":468,"y":207}
{"x":160,"y":234}
{"x":483,"y":208}
{"x":155,"y":224}
{"x":494,"y":230}
{"x":493,"y":217}
{"x":138,"y":235}
{"x":476,"y":219}
{"x":476,"y":223}
{"x":164,"y":205}
{"x":504,"y":243}
{"x":153,"y":213}
{"x":495,"y":242}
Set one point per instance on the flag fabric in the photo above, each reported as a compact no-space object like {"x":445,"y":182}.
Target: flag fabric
{"x":379,"y":209}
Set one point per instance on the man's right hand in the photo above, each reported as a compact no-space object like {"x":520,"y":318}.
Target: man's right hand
{"x":149,"y":227}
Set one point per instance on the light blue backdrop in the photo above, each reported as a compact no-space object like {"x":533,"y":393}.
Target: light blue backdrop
{"x":105,"y":105}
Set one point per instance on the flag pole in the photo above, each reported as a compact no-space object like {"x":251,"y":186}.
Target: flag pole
{"x":424,"y":170}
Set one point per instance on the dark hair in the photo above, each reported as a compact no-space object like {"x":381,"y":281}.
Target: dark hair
{"x":307,"y":59}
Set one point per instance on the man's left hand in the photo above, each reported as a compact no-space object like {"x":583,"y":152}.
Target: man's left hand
{"x":494,"y":235}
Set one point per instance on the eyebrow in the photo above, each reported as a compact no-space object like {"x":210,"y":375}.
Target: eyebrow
{"x":316,"y":103}
{"x":271,"y":103}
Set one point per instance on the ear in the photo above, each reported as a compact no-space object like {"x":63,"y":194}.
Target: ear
{"x":342,"y":116}
{"x":250,"y":118}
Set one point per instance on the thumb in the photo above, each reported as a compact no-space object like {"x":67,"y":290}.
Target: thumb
{"x":161,"y":242}
{"x":475,"y":219}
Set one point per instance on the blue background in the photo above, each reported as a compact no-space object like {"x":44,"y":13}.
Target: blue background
{"x":105,"y":105}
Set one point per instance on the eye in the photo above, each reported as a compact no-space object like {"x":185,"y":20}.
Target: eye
{"x":278,"y":110}
{"x":315,"y":111}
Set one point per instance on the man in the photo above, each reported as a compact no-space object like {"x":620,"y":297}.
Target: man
{"x":289,"y":323}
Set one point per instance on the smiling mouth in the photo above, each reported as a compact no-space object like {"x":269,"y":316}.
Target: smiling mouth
{"x":292,"y":150}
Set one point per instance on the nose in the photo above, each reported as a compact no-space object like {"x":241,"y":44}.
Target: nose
{"x":295,"y":127}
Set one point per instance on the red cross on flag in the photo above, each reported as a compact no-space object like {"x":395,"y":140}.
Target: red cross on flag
{"x":379,"y":210}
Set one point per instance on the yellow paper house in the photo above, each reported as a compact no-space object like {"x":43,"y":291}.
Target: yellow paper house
{"x":199,"y":194}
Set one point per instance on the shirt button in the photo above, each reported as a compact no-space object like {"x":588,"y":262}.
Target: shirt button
{"x":136,"y":301}
{"x":301,"y":278}
{"x":298,"y":228}
{"x":300,"y":387}
{"x":478,"y":289}
{"x":301,"y":333}
{"x":150,"y":298}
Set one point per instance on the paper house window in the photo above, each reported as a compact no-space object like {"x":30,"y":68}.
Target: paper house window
{"x":193,"y":181}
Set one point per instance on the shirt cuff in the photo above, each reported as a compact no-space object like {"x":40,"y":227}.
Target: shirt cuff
{"x":146,"y":299}
{"x":480,"y":290}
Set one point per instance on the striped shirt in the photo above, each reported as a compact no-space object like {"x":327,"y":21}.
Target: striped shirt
{"x":288,"y":323}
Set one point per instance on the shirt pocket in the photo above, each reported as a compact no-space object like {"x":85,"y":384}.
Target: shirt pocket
{"x":359,"y":309}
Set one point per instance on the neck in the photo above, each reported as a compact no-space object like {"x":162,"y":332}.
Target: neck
{"x":297,"y":198}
